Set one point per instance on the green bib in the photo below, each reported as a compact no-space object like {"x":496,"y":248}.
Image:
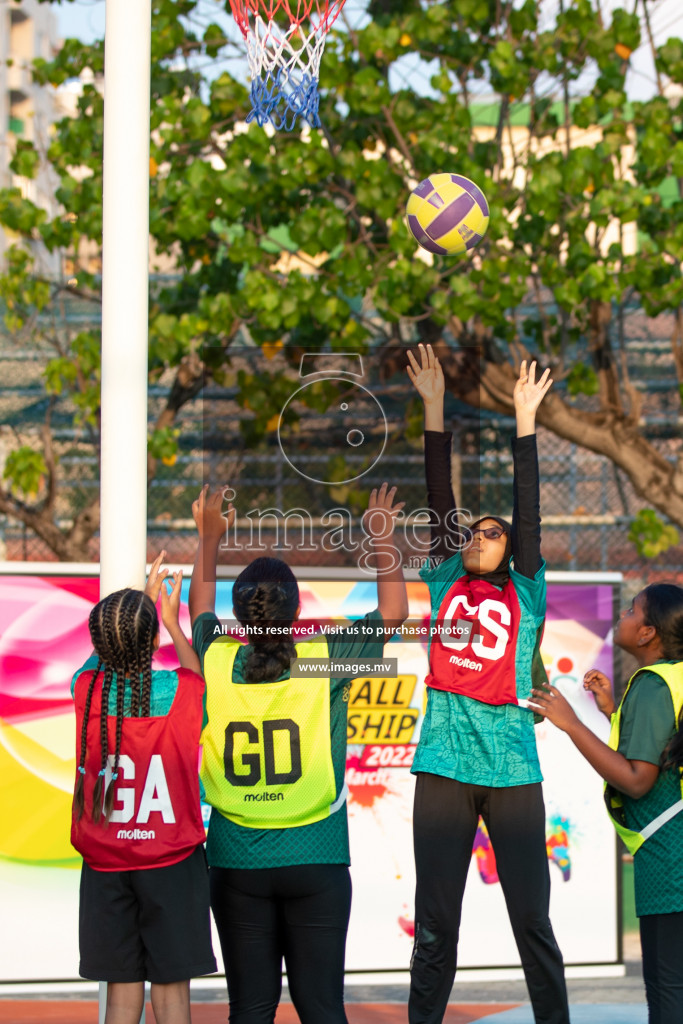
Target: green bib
{"x":267,"y":752}
{"x":673,"y":677}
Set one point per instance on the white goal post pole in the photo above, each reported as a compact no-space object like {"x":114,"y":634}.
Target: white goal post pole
{"x":125,"y":288}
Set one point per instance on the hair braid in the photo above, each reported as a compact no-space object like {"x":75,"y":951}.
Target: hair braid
{"x":109,"y":794}
{"x":124,"y":634}
{"x":122,"y":655}
{"x":111,"y":654}
{"x":122,"y":627}
{"x":126,"y":646}
{"x":135,"y":694}
{"x":79,"y":795}
{"x":112,"y":665}
{"x":145,"y":705}
{"x":143,"y":629}
{"x":139,"y":629}
{"x":104,"y":714}
{"x":266,"y":595}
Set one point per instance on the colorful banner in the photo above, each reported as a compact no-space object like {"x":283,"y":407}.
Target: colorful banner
{"x":580,"y":841}
{"x":44,"y":638}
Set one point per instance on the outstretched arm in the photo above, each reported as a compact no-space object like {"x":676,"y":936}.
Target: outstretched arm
{"x":378,"y":522}
{"x":170,"y":616}
{"x":211,"y":527}
{"x":170,"y":610}
{"x":427,"y":378}
{"x":156,"y":577}
{"x":526,"y":510}
{"x":634,"y":778}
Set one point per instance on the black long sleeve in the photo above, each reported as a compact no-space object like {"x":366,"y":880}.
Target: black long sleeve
{"x":526,"y":509}
{"x":526,"y":513}
{"x":444,"y":533}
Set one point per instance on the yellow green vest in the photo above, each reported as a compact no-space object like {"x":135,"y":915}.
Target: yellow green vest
{"x":673,"y":677}
{"x":267,"y":751}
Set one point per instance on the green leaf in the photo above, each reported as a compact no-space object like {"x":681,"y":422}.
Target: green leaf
{"x":19,"y":214}
{"x":582,"y":380}
{"x":25,"y":470}
{"x":651,"y":535}
{"x":163,"y":444}
{"x":26,"y":159}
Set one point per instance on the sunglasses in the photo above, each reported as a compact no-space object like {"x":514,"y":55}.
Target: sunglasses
{"x":492,"y":533}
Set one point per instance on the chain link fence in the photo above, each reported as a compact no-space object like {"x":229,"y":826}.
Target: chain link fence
{"x":282,"y":505}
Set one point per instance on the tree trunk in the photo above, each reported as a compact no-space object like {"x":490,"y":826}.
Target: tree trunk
{"x":71,"y":546}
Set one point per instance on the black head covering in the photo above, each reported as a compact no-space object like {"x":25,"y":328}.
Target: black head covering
{"x":501,"y":574}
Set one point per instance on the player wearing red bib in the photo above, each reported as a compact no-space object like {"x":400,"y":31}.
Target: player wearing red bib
{"x":144,"y":898}
{"x":477,"y":752}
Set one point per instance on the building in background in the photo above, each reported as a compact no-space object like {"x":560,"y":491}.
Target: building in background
{"x":28,"y":30}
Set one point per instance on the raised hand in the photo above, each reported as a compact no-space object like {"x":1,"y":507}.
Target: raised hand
{"x":601,"y":688}
{"x":156,"y":577}
{"x":379,"y":518}
{"x":170,"y":616}
{"x":528,"y":393}
{"x":170,"y":602}
{"x":427,"y":375}
{"x":207,"y":513}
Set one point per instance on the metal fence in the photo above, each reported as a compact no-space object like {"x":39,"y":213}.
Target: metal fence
{"x":587,"y":504}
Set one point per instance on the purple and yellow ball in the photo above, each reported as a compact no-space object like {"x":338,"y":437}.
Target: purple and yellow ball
{"x":447,"y":214}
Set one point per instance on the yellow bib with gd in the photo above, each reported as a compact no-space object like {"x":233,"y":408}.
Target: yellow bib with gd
{"x":267,"y":750}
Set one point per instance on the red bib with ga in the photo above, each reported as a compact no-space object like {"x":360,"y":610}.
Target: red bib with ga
{"x":157,"y":817}
{"x":473,"y":647}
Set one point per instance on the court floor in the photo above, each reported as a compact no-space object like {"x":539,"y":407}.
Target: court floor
{"x":79,"y":1011}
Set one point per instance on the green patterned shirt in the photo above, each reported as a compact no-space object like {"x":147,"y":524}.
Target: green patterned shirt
{"x":647,"y":725}
{"x":465,"y":739}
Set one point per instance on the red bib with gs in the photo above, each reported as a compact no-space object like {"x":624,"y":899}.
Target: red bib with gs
{"x":157,"y":818}
{"x":474,"y":642}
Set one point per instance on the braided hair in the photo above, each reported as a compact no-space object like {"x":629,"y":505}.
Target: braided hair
{"x":265,"y":597}
{"x":123,"y":627}
{"x":663,"y":609}
{"x":79,"y":796}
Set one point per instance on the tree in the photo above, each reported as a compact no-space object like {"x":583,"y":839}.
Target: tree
{"x":573,"y":171}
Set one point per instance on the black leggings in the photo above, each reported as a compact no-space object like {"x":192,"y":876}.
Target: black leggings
{"x":300,"y":913}
{"x":661,"y":940}
{"x":444,"y":826}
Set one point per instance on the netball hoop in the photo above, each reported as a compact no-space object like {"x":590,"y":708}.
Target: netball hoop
{"x":285,"y":42}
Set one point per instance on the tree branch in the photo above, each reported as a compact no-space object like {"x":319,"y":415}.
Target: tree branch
{"x":69,"y":547}
{"x":189,"y":381}
{"x":49,"y":457}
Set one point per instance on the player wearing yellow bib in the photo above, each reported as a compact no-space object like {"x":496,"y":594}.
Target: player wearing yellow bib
{"x":273,"y":768}
{"x":642,"y":765}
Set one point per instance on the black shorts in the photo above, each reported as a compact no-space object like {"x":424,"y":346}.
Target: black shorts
{"x":147,"y":925}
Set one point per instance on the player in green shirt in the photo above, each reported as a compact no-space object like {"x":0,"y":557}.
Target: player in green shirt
{"x":281,"y":892}
{"x":476,"y":754}
{"x":642,"y":765}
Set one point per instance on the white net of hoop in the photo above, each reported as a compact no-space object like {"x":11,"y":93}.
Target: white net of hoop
{"x":285,"y":44}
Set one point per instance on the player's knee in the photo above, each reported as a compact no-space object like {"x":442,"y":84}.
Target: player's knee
{"x":434,"y":944}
